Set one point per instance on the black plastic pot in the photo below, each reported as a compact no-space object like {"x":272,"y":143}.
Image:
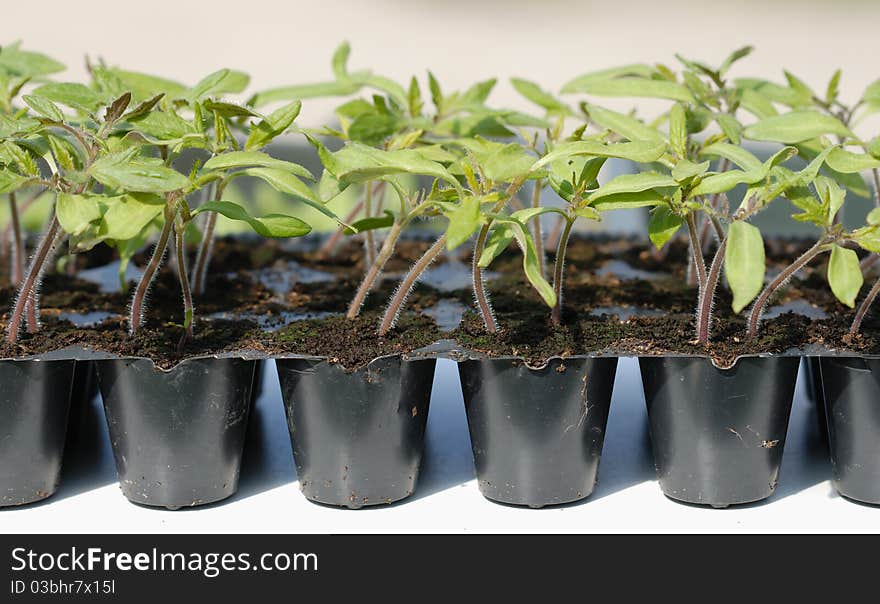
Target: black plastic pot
{"x":177,"y":435}
{"x":718,"y":434}
{"x":357,"y":437}
{"x":537,"y":434}
{"x":815,"y":392}
{"x":34,"y":406}
{"x":852,"y":404}
{"x":83,"y":390}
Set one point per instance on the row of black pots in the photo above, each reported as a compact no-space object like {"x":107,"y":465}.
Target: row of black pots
{"x":537,"y":433}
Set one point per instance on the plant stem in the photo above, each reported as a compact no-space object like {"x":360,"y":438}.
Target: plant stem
{"x":869,"y":261}
{"x":376,"y":267}
{"x":696,"y":250}
{"x":137,"y":303}
{"x":400,"y":296}
{"x":863,"y":309}
{"x":559,"y":271}
{"x":875,"y":173}
{"x":188,"y":310}
{"x":556,"y":231}
{"x":206,"y":248}
{"x":369,"y":239}
{"x":16,"y":269}
{"x":707,"y":294}
{"x":781,"y":278}
{"x":26,"y":296}
{"x":537,"y":234}
{"x":481,"y":297}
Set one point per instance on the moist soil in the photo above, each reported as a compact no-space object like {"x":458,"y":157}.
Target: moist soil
{"x":621,"y":297}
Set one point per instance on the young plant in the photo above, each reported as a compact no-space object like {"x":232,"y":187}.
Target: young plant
{"x":18,"y":152}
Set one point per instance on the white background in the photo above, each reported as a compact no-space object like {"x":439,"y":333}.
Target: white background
{"x":627,"y":498}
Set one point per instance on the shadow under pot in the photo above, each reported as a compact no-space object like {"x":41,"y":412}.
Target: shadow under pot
{"x":537,"y":434}
{"x":358,"y":436}
{"x":852,"y":406}
{"x":34,"y":408}
{"x":718,"y":434}
{"x":177,"y":435}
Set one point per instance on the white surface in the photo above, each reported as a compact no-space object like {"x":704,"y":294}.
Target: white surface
{"x":627,"y":498}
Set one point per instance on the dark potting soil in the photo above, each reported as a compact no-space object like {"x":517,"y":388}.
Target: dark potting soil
{"x":620,"y":294}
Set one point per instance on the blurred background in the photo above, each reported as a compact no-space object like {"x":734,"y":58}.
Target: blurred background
{"x":461,"y":41}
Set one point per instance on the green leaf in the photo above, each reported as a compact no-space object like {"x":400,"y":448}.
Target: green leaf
{"x":304,"y":91}
{"x":624,"y":125}
{"x":637,"y":87}
{"x":744,"y":263}
{"x":161,"y":125}
{"x":581,"y":83}
{"x":848,"y":162}
{"x":637,"y":151}
{"x":733,"y":153}
{"x":287,"y":183}
{"x":531,"y":265}
{"x":772,"y":92}
{"x":731,"y":128}
{"x":374,"y":128}
{"x":357,"y":162}
{"x":845,"y":275}
{"x":678,"y":134}
{"x":735,"y":56}
{"x":499,"y":162}
{"x":10,"y":181}
{"x":270,"y":225}
{"x":685,"y":170}
{"x":124,"y":172}
{"x":540,"y":97}
{"x":73,"y":95}
{"x":499,"y":240}
{"x":126,"y":216}
{"x":26,"y":63}
{"x":663,"y":226}
{"x":44,"y":107}
{"x":144,"y":86}
{"x":229,"y":110}
{"x":796,"y":127}
{"x":464,"y":220}
{"x":632,"y":183}
{"x":629,"y":200}
{"x":371,"y":224}
{"x":275,"y":124}
{"x":247,"y":159}
{"x":76,"y":212}
{"x":832,"y":195}
{"x":220,"y":82}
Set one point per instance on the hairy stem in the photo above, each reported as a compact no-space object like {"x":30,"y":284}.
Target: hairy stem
{"x":376,"y":267}
{"x":137,"y":303}
{"x":559,"y":271}
{"x":863,"y":309}
{"x":781,"y":278}
{"x":875,"y":174}
{"x":369,"y":236}
{"x":481,"y":297}
{"x":26,"y":296}
{"x":537,"y":235}
{"x":556,"y":232}
{"x":396,"y":304}
{"x":696,"y":250}
{"x":188,"y":310}
{"x":203,"y":256}
{"x":707,"y":294}
{"x":16,"y":269}
{"x":206,"y":247}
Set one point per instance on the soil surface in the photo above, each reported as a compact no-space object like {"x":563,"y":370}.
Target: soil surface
{"x":620,"y":296}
